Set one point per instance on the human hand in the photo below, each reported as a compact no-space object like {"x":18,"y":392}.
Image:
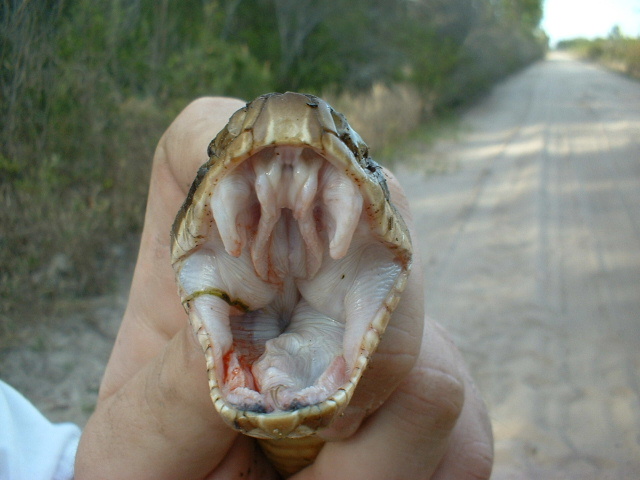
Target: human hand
{"x":415,"y":413}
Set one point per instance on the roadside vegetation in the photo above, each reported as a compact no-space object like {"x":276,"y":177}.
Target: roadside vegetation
{"x":87,"y":87}
{"x":617,"y":51}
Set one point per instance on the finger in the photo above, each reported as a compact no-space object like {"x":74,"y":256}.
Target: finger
{"x":245,"y":461}
{"x":408,"y":437}
{"x":470,"y":450}
{"x":154,"y":313}
{"x":160,"y":424}
{"x":400,"y":345}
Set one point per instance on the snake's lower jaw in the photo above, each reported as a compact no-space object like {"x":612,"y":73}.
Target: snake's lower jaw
{"x":290,"y":259}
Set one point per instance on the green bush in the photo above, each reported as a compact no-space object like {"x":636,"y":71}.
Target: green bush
{"x":87,"y":88}
{"x":617,"y":51}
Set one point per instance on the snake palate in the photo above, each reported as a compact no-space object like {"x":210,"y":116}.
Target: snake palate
{"x":289,"y":258}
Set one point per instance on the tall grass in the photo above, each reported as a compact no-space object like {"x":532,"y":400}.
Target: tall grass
{"x":382,"y":115}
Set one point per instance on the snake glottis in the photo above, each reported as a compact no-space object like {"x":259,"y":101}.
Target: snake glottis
{"x":289,"y":258}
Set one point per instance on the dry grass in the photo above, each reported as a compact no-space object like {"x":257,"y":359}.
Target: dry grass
{"x":382,"y":116}
{"x":390,"y":119}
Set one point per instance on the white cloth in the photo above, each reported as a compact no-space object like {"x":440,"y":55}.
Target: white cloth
{"x":31,"y":447}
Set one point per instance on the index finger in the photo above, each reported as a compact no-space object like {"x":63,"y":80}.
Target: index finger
{"x":154,"y":313}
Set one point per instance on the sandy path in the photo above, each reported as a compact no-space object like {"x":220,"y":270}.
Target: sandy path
{"x":532,"y":253}
{"x":532,"y":249}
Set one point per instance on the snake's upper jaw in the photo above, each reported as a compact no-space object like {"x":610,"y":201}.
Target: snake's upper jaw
{"x":321,"y":203}
{"x":289,"y":258}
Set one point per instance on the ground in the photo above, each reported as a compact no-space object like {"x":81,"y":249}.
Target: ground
{"x":531,"y":244}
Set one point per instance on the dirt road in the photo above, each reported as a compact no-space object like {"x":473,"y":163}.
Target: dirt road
{"x":532,"y":250}
{"x":532,"y":253}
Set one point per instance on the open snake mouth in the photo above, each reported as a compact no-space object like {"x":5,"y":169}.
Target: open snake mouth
{"x":289,"y":257}
{"x":288,"y":279}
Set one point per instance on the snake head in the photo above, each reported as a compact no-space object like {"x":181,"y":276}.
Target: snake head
{"x":289,"y":258}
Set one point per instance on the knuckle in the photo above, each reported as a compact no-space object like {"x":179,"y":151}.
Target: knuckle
{"x":479,"y":462}
{"x":437,"y":394}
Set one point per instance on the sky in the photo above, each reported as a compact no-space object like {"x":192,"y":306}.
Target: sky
{"x":590,"y":18}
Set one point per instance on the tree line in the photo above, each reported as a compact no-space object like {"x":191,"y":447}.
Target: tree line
{"x":86,"y":88}
{"x":618,"y":51}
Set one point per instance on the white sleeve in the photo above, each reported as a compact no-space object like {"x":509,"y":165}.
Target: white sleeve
{"x":31,"y":447}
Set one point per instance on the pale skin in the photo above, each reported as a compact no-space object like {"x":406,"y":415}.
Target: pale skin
{"x":415,"y":415}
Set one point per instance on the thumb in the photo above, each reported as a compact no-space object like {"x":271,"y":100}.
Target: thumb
{"x":160,"y":424}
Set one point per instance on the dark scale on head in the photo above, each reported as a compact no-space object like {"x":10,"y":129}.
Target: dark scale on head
{"x":254,"y":408}
{"x":296,"y":405}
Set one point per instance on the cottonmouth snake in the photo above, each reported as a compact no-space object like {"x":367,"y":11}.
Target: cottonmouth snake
{"x":289,"y":258}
